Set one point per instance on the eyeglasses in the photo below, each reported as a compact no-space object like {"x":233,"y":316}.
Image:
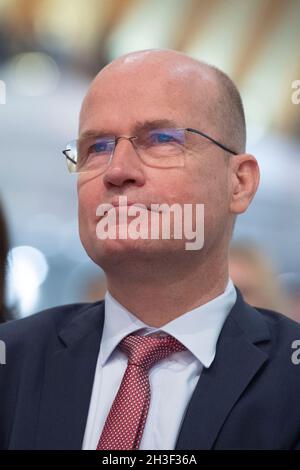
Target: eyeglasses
{"x":158,"y":148}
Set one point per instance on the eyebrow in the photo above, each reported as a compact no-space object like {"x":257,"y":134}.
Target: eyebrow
{"x":139,"y":126}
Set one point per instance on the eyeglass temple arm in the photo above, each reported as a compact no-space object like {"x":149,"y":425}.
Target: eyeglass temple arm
{"x":65,"y":152}
{"x":189,"y":129}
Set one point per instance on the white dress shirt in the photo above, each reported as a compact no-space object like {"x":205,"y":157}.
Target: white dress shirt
{"x":172,"y":380}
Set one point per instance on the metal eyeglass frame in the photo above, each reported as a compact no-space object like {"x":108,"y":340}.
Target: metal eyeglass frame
{"x":188,"y":129}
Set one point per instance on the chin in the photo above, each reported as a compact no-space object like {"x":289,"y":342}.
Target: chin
{"x":109,"y":253}
{"x":112,"y":250}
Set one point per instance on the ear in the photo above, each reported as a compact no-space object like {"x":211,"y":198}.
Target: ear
{"x":245,"y":177}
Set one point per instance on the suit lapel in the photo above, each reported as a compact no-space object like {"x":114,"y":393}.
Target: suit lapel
{"x":237,"y":361}
{"x":68,"y":382}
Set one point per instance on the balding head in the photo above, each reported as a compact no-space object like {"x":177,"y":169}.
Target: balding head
{"x":210,"y":95}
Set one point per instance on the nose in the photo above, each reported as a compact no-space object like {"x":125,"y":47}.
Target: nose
{"x":125,"y":167}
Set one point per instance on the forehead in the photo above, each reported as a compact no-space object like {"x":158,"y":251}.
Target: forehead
{"x":122,"y":95}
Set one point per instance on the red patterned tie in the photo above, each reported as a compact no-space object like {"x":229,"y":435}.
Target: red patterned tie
{"x":125,"y":423}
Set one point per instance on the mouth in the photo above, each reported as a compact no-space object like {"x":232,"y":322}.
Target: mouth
{"x":121,"y":203}
{"x":122,"y":206}
{"x":128,"y":203}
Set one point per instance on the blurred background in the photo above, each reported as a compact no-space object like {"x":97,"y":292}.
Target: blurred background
{"x":49,"y":52}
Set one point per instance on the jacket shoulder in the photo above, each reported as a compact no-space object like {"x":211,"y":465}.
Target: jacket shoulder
{"x":285,"y":344}
{"x":41,"y":323}
{"x":279,"y":322}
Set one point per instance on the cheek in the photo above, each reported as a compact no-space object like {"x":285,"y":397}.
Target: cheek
{"x":89,"y":198}
{"x":213,"y":185}
{"x":209,"y":186}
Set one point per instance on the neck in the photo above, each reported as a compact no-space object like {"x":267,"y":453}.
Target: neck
{"x":159,"y":298}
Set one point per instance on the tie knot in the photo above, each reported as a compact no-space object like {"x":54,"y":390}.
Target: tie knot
{"x":145,"y":351}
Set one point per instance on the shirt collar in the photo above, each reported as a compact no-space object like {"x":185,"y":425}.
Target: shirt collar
{"x":197,"y":329}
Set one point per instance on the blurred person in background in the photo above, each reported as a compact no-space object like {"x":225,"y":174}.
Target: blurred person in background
{"x":3,"y":257}
{"x":290,"y":283}
{"x":254,"y":274}
{"x":157,"y":127}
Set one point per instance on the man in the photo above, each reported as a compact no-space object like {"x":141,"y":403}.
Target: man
{"x":173,"y":358}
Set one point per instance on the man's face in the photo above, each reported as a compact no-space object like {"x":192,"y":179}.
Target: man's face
{"x":122,"y":97}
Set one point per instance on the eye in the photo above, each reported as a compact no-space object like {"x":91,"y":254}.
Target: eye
{"x":101,"y":146}
{"x":168,"y":138}
{"x":162,"y":138}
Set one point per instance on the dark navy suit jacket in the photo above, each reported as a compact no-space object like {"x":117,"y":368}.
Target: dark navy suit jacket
{"x":247,"y":399}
